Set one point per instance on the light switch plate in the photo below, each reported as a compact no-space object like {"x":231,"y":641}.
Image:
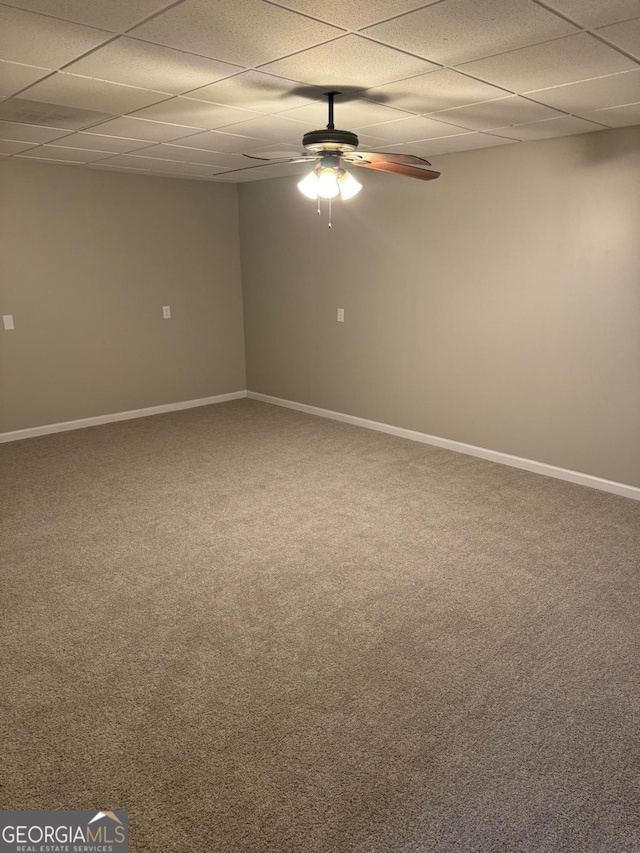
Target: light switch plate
{"x":340,"y":315}
{"x":7,"y":319}
{"x":166,"y":312}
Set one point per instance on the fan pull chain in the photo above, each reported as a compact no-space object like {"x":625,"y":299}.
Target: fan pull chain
{"x":329,"y":213}
{"x":319,"y":211}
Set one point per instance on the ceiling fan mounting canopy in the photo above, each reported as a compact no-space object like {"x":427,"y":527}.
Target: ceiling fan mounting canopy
{"x":318,"y":141}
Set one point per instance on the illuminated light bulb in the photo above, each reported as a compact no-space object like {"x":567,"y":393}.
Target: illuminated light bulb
{"x":348,"y":186}
{"x":309,"y":186}
{"x":328,"y":183}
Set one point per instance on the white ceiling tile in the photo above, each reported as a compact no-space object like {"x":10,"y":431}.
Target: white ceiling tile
{"x":114,"y":15}
{"x":272,"y":128}
{"x":129,"y":161}
{"x":149,"y":66}
{"x":29,"y":132}
{"x":245,"y":32}
{"x":242,"y":176}
{"x":595,"y":13}
{"x":156,"y":164}
{"x":48,"y":115}
{"x":458,"y":31}
{"x":195,"y":155}
{"x":192,"y":170}
{"x":253,"y":90}
{"x":368,"y":140}
{"x":283,"y":148}
{"x":563,"y":126}
{"x":73,"y":155}
{"x":616,"y":116}
{"x":8,"y":146}
{"x":183,"y":170}
{"x":103,"y":142}
{"x":349,"y":115}
{"x":466,"y":143}
{"x":162,"y":151}
{"x":87,"y":93}
{"x":140,"y":128}
{"x":215,"y":140}
{"x":413,"y":130}
{"x":264,"y":172}
{"x":219,"y":160}
{"x":353,"y":14}
{"x":437,"y":90}
{"x":626,"y":35}
{"x":450,"y":144}
{"x":14,"y":77}
{"x":191,"y":113}
{"x":109,"y":168}
{"x":494,"y":114}
{"x":599,"y":93}
{"x":351,"y":61}
{"x":564,"y":60}
{"x":57,"y":160}
{"x":43,"y":41}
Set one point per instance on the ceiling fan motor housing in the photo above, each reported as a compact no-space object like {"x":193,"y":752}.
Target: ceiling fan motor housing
{"x":330,"y":140}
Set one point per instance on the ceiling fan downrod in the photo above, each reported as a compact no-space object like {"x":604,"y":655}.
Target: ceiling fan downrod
{"x":329,"y":139}
{"x":331,"y":96}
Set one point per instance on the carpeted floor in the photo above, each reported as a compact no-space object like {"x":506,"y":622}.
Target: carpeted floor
{"x":261,"y":631}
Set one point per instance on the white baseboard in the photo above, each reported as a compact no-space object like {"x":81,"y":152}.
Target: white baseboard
{"x":459,"y":447}
{"x":578,"y":477}
{"x":31,"y":432}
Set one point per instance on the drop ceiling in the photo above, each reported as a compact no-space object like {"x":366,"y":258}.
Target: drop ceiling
{"x":188,"y":88}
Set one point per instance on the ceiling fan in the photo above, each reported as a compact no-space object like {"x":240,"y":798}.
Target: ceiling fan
{"x":330,"y":148}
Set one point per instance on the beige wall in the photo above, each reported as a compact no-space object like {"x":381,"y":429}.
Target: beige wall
{"x":498,"y":305}
{"x":87,"y":260}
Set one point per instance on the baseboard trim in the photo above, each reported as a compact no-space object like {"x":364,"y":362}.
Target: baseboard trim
{"x":578,"y":477}
{"x":31,"y":432}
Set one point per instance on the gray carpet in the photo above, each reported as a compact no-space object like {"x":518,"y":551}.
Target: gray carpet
{"x":258,"y":630}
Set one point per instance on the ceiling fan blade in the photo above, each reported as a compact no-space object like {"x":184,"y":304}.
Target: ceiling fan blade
{"x":386,"y":157}
{"x":400,"y":169}
{"x":274,"y":163}
{"x":279,"y":155}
